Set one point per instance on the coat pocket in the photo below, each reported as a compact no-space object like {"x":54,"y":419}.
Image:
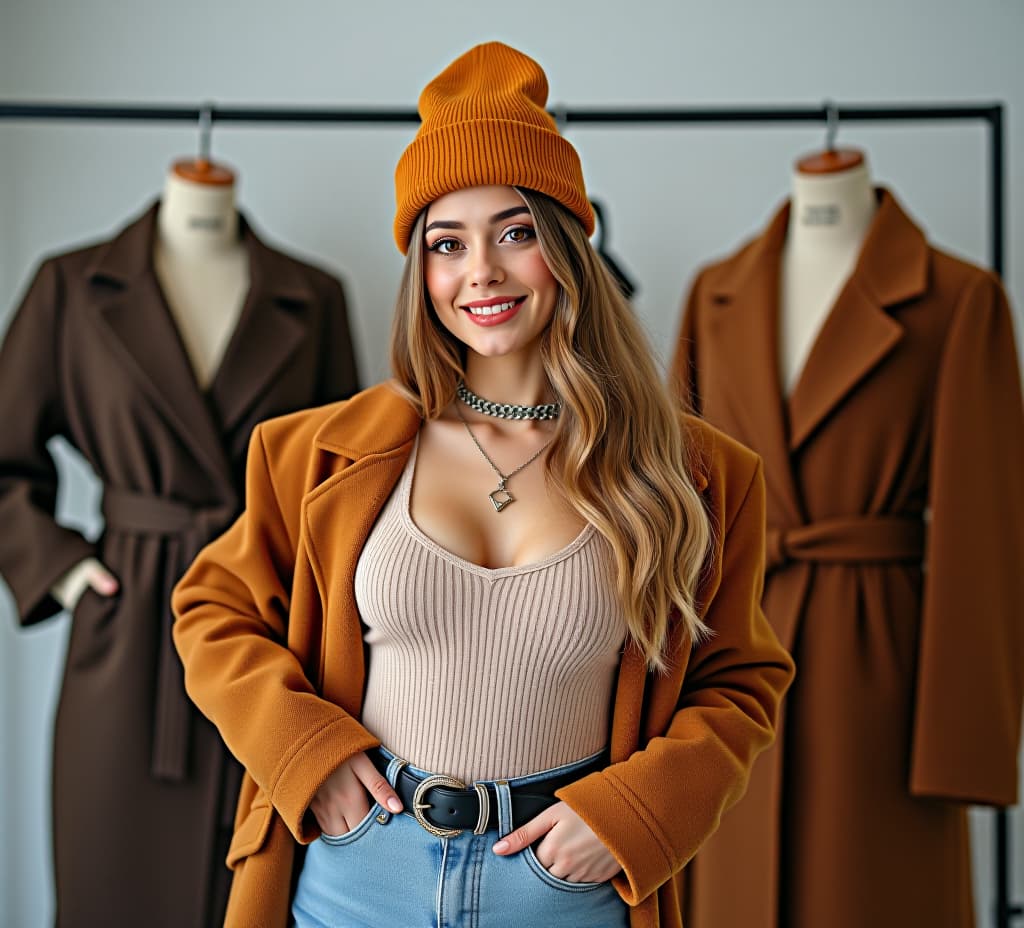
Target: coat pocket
{"x":92,"y":628}
{"x":251,"y":833}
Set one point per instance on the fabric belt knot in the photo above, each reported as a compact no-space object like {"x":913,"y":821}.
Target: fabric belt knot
{"x":187,"y":528}
{"x":848,"y":540}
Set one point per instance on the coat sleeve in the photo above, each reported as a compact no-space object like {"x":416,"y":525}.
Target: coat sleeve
{"x":654,"y":810}
{"x":232,"y":633}
{"x":34,"y":550}
{"x":682,"y":371}
{"x":967,"y":717}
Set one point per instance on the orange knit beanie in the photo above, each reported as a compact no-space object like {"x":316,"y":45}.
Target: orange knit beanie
{"x":484,"y":122}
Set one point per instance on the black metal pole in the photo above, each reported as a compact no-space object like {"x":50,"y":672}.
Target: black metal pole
{"x":997,"y":188}
{"x":1005,"y":913}
{"x":724,"y":116}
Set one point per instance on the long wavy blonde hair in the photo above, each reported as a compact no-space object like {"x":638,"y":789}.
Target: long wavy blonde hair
{"x":617,"y":456}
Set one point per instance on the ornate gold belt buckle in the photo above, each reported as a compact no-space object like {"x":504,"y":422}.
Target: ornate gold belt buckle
{"x":418,"y":805}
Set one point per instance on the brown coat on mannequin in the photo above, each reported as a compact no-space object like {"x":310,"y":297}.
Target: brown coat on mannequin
{"x":93,"y":354}
{"x":907,"y":701}
{"x":273,"y":650}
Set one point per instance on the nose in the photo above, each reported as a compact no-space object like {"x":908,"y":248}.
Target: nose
{"x":485,"y":269}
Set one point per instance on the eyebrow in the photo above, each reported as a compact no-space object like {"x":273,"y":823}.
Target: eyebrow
{"x":497,"y":217}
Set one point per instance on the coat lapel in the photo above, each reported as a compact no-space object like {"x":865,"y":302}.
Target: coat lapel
{"x":373,"y":433}
{"x":744,"y":323}
{"x":859,"y":332}
{"x":136,"y":322}
{"x":274,"y":322}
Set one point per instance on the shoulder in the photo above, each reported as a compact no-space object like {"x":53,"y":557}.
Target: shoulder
{"x":308,"y":444}
{"x":951,"y":273}
{"x":69,"y":265}
{"x":283,"y":264}
{"x":723,"y":470}
{"x":326,"y":285}
{"x":721,"y":274}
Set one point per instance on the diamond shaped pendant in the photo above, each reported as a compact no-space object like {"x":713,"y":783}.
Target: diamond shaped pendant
{"x":501,"y":497}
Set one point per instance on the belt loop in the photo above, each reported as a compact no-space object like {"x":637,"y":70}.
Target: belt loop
{"x":483,"y":819}
{"x":395,"y":766}
{"x":501,"y":788}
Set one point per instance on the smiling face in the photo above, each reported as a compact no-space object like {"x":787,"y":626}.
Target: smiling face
{"x":485,"y":273}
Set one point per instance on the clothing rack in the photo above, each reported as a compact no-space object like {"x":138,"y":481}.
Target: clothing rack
{"x":208,"y":113}
{"x":990,"y":114}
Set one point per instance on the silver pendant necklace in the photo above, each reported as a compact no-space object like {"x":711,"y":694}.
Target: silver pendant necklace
{"x":500,"y":497}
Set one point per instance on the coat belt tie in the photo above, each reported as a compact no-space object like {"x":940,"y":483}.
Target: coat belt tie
{"x":187,"y":528}
{"x":853,"y":540}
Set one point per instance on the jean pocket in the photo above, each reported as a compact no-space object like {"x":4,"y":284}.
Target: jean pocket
{"x":356,"y":833}
{"x":555,"y":882}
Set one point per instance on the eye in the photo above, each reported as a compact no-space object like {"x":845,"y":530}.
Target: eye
{"x":445,"y":246}
{"x":517,"y":235}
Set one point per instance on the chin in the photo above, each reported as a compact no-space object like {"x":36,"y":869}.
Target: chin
{"x":492,"y":351}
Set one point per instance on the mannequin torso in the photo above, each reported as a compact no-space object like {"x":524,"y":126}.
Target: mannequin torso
{"x":829,"y":217}
{"x":203,"y":270}
{"x":202,"y":267}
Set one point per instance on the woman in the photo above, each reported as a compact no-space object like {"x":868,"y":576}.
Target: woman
{"x":513,"y":567}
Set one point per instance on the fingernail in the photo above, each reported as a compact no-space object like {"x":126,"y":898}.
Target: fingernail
{"x":500,"y":846}
{"x":394,"y":804}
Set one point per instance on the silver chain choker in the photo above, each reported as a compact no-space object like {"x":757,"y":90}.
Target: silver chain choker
{"x":506,"y":410}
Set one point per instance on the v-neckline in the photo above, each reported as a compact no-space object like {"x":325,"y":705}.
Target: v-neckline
{"x":209,"y":391}
{"x":491,"y":573}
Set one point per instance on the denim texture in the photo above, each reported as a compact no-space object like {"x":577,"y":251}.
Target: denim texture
{"x":389,"y":871}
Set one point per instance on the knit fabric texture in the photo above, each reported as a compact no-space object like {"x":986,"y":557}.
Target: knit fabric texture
{"x":485,"y":673}
{"x":484,"y":122}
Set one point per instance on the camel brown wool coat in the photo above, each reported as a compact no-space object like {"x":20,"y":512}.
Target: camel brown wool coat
{"x":274,"y":655}
{"x":902,"y":442}
{"x":93,"y":355}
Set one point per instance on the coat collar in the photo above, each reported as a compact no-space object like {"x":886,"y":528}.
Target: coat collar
{"x":134,"y":314}
{"x":129,"y":255}
{"x":858,"y":333}
{"x":376,"y":421}
{"x":373,"y":432}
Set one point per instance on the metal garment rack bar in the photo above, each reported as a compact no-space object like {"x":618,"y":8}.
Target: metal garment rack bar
{"x":992,"y":114}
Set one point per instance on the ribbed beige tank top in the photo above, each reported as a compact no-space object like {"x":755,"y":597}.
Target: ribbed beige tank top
{"x":486,"y":673}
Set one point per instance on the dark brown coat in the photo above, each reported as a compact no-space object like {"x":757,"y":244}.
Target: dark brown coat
{"x":907,"y":702}
{"x":273,"y":649}
{"x":93,"y":355}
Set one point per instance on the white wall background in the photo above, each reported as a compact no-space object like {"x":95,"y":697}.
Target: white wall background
{"x":676,"y":197}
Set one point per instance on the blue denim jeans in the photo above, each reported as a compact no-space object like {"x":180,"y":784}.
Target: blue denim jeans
{"x":389,"y":871}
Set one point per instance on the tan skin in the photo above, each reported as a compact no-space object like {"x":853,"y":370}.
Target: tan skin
{"x":481,"y":247}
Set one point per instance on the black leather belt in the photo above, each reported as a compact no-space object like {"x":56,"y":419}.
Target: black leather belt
{"x":446,"y":807}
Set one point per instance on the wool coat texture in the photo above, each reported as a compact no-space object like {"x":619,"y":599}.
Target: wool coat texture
{"x":895,"y":544}
{"x":273,"y":648}
{"x":93,"y":355}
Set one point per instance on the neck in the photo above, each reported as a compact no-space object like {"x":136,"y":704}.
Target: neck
{"x":830,"y":213}
{"x":509,"y":379}
{"x":197,"y":219}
